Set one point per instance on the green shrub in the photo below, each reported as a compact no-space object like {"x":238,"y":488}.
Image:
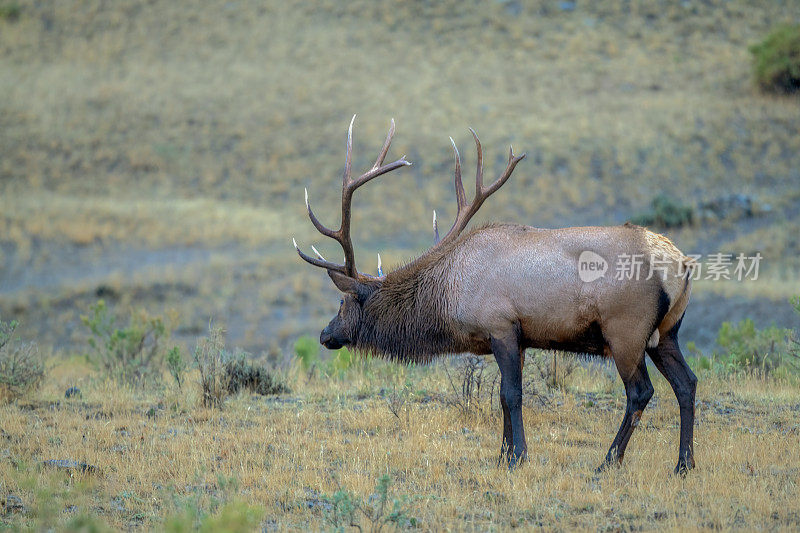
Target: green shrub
{"x":341,"y":362}
{"x":748,"y":348}
{"x":21,"y":367}
{"x":221,"y":510}
{"x":176,"y":365}
{"x":704,"y":363}
{"x":306,"y":349}
{"x":346,"y":510}
{"x":10,"y":11}
{"x":233,"y":517}
{"x":666,"y":213}
{"x":223,"y":373}
{"x":242,"y":374}
{"x":776,"y":60}
{"x":127,"y":353}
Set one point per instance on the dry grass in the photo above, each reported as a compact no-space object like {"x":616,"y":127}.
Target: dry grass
{"x":161,"y":126}
{"x":288,"y":453}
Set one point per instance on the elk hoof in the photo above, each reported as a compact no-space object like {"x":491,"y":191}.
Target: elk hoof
{"x":515,"y":459}
{"x":683,"y":467}
{"x":505,"y":455}
{"x":606,"y":465}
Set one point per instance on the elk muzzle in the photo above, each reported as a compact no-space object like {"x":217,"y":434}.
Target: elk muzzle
{"x":329,"y":341}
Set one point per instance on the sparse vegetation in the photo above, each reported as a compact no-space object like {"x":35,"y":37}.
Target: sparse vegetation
{"x":21,"y":367}
{"x":306,"y":349}
{"x":306,"y":459}
{"x":346,"y":509}
{"x":223,"y":373}
{"x":776,"y":60}
{"x":243,"y":374}
{"x":211,"y":359}
{"x":10,"y":11}
{"x":665,"y":212}
{"x":342,"y":361}
{"x":176,"y":365}
{"x":744,"y":348}
{"x":747,"y":348}
{"x":128,"y":353}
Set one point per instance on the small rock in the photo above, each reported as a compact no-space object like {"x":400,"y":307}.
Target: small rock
{"x":729,"y":206}
{"x":512,"y":7}
{"x":118,"y":504}
{"x":12,"y":504}
{"x":72,"y":391}
{"x":316,"y":502}
{"x":70,"y":466}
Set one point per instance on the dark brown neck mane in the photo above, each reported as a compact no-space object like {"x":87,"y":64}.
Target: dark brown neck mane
{"x":405,"y":320}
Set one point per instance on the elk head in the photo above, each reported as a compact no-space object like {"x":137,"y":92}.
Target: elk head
{"x":358,"y":287}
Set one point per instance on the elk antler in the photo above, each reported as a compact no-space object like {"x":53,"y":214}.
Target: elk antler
{"x":349,"y":185}
{"x":466,"y":212}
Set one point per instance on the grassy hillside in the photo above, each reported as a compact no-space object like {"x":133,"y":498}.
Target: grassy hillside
{"x":128,"y":127}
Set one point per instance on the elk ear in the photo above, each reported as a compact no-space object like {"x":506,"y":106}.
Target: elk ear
{"x":346,"y":284}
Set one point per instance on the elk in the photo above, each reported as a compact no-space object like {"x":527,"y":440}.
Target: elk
{"x":504,"y":288}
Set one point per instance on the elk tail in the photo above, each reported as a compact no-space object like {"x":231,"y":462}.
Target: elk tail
{"x":679,"y":303}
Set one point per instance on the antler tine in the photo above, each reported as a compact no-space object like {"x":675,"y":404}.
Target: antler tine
{"x":461,"y":198}
{"x":512,"y":162}
{"x":348,"y":159}
{"x":318,"y":262}
{"x":466,"y":212}
{"x":435,"y":229}
{"x":479,"y":171}
{"x":317,"y":224}
{"x":349,"y":185}
{"x":385,"y":149}
{"x":316,"y":252}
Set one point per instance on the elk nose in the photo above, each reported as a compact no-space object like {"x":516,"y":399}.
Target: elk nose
{"x":324,"y":338}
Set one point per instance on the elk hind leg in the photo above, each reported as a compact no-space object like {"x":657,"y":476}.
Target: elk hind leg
{"x":669,"y":360}
{"x":638,"y":390}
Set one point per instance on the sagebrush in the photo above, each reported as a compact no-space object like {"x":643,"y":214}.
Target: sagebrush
{"x":126,"y":352}
{"x":21,"y":366}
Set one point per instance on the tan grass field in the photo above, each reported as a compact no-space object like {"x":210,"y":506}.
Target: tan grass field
{"x":129,"y":128}
{"x":289,"y":455}
{"x":154,"y":154}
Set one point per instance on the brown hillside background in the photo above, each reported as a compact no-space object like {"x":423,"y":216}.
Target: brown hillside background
{"x":155,"y":153}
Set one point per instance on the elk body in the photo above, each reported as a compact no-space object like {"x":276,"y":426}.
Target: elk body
{"x":503,"y":288}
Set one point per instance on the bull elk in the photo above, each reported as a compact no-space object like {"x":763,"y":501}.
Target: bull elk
{"x":503,"y":288}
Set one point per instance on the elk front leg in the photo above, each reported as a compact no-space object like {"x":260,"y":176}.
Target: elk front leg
{"x":507,"y":352}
